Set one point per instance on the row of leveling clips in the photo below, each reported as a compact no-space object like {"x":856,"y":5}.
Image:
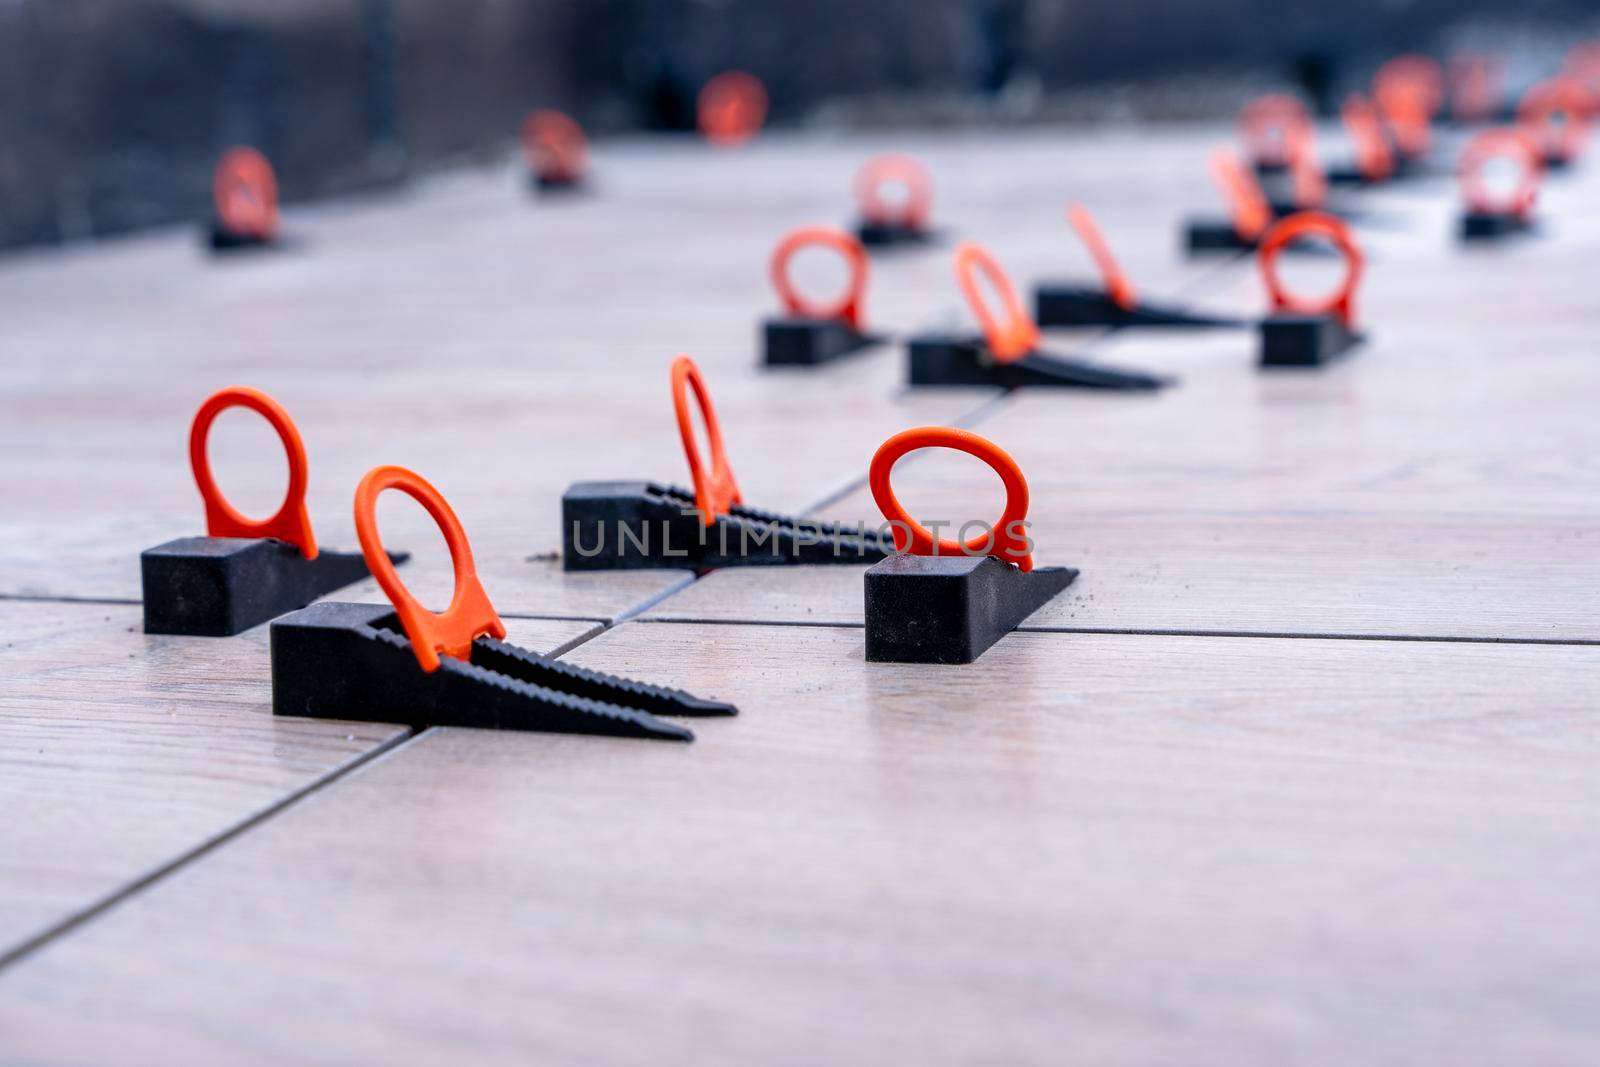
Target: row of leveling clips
{"x":927,"y":600}
{"x":1389,"y":131}
{"x":1007,"y":352}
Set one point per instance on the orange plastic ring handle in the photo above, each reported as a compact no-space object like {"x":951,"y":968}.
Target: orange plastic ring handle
{"x":1310,"y":187}
{"x":731,"y":107}
{"x":469,"y":616}
{"x":554,"y":145}
{"x":890,"y":169}
{"x":1247,"y":204}
{"x":1118,"y":287}
{"x":1273,"y":128}
{"x":291,"y":523}
{"x":1018,"y":335}
{"x":1293,"y":228}
{"x":1565,"y":96}
{"x":1413,"y":82}
{"x":1409,"y":89}
{"x":714,"y":490}
{"x":1007,"y":540}
{"x":246,"y":193}
{"x":1364,"y":127}
{"x":848,"y":307}
{"x":1510,"y":143}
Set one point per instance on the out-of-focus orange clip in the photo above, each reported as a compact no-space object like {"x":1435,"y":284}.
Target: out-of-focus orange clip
{"x":470,"y":614}
{"x":1118,"y":287}
{"x":1018,"y":334}
{"x":1247,"y":204}
{"x":849,"y":305}
{"x":1556,"y":113}
{"x":1362,"y":124}
{"x":554,"y":146}
{"x":1510,"y":143}
{"x":715,"y":490}
{"x":1309,"y":184}
{"x":732,"y":107}
{"x":890,"y":169}
{"x":1306,"y":224}
{"x":1409,"y":90}
{"x":292,"y":522}
{"x":246,"y":194}
{"x":1006,"y":540}
{"x":1272,"y":128}
{"x":1475,"y":87}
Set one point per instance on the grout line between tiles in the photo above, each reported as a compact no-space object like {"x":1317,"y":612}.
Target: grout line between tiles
{"x":123,"y":893}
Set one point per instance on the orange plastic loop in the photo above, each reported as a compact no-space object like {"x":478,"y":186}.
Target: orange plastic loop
{"x":895,"y":169}
{"x":849,"y":306}
{"x":1557,"y":113}
{"x":1293,"y":228}
{"x":1118,"y":287}
{"x":1007,"y":540}
{"x":732,"y":107}
{"x":1506,"y":143}
{"x":554,"y":146}
{"x":715,"y":490}
{"x":1018,"y":334}
{"x":246,"y":193}
{"x":1409,"y":90}
{"x":1362,"y":124}
{"x":469,"y":616}
{"x":1310,"y":185}
{"x":291,"y":523}
{"x":1247,"y":204}
{"x":1274,"y":128}
{"x":1410,"y":82}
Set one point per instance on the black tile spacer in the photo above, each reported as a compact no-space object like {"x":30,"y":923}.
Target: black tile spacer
{"x":950,"y":609}
{"x":944,"y":359}
{"x":1078,"y":305}
{"x":353,"y":661}
{"x":221,"y":586}
{"x":1305,"y":340}
{"x":795,"y":342}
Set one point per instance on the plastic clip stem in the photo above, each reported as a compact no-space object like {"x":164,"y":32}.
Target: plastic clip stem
{"x":714,"y":490}
{"x":469,"y":616}
{"x":1308,"y":223}
{"x":291,"y":523}
{"x":848,"y":307}
{"x":1008,"y":540}
{"x":1118,"y":287}
{"x":1018,"y":335}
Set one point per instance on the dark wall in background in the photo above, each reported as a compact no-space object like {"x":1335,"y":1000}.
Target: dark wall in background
{"x":113,"y":111}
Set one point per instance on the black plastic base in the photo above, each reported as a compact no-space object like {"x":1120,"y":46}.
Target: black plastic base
{"x":608,"y":526}
{"x":1484,"y":226}
{"x":805,"y":342}
{"x":352,"y":661}
{"x":546,"y":184}
{"x":877,"y":235}
{"x":1305,"y":340}
{"x":938,"y":359}
{"x":221,"y":586}
{"x":1350,"y":175}
{"x":1076,"y":305}
{"x":221,"y":239}
{"x":1208,"y":235}
{"x":950,"y":609}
